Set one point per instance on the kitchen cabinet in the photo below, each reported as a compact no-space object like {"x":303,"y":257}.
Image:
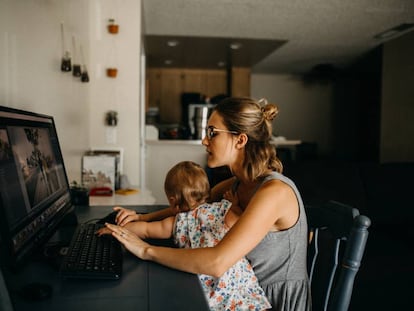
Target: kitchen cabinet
{"x":241,"y":82}
{"x":165,"y":86}
{"x":194,"y":81}
{"x":153,"y":85}
{"x":170,"y":102}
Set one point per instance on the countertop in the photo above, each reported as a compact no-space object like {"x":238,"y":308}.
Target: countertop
{"x":276,"y":141}
{"x":173,"y":142}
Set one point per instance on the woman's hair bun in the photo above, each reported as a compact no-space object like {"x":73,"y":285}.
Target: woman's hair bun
{"x":269,"y":110}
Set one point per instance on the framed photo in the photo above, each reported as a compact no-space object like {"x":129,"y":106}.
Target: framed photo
{"x":99,"y":171}
{"x":116,"y":153}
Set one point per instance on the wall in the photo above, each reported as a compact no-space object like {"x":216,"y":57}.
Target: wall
{"x":163,"y":155}
{"x":31,"y":79}
{"x":357,"y":104}
{"x":305,"y":111}
{"x":121,"y":94}
{"x":30,"y":76}
{"x":397,"y":106}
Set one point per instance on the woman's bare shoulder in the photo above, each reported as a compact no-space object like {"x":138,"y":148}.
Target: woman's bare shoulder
{"x":278,"y":191}
{"x":279,"y":199}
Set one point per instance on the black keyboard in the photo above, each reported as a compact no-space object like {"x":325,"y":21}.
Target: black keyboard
{"x":92,"y":257}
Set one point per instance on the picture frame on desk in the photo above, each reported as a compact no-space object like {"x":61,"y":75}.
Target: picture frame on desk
{"x":102,"y":168}
{"x":112,"y":151}
{"x":117,"y":153}
{"x":98,"y":171}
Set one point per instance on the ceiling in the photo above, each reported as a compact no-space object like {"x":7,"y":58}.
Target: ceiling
{"x":276,"y":36}
{"x":206,"y":52}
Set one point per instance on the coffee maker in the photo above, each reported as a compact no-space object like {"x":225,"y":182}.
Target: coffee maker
{"x":188,"y":99}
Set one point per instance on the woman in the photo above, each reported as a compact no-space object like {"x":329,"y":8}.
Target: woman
{"x":271,"y":230}
{"x":200,"y":224}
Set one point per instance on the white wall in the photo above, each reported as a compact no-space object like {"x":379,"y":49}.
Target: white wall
{"x":162,"y":156}
{"x":122,"y":93}
{"x":30,"y":76}
{"x":305,"y":111}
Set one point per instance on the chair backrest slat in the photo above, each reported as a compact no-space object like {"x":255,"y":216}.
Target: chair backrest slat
{"x":339,"y":236}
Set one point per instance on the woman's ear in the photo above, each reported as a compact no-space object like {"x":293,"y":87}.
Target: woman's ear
{"x":241,"y":140}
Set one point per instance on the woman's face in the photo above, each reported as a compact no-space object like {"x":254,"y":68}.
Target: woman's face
{"x":220,"y":147}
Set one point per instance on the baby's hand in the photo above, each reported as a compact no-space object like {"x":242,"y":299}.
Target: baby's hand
{"x":103,"y":231}
{"x":125,"y":216}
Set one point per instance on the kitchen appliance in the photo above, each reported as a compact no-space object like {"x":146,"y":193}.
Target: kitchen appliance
{"x":198,"y":115}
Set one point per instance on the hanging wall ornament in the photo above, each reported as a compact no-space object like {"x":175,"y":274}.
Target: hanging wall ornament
{"x":84,"y":74}
{"x":113,"y":27}
{"x":76,"y":64}
{"x":66,"y":64}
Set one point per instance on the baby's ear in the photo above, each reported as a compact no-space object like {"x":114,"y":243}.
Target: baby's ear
{"x":173,"y":203}
{"x":171,"y":200}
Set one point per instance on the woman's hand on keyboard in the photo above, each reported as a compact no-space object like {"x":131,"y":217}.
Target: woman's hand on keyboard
{"x":130,"y":240}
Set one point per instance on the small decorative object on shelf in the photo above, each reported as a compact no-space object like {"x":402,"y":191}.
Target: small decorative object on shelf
{"x":112,"y":27}
{"x":111,"y":72}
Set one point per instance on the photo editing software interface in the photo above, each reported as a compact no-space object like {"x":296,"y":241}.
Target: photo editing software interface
{"x":34,"y":189}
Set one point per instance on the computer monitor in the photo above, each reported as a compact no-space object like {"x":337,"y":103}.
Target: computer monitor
{"x":34,"y":189}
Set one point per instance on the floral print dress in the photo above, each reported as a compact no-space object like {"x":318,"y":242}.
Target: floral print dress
{"x":236,"y":289}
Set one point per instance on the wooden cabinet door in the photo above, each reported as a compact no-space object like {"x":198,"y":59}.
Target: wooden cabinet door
{"x":216,"y":82}
{"x":206,"y":82}
{"x":170,"y":102}
{"x":241,"y":82}
{"x":153,"y":87}
{"x":194,"y":81}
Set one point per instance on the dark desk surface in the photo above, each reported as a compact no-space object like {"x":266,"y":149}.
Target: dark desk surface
{"x":143,"y":286}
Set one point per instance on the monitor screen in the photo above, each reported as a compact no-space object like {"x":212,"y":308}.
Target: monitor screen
{"x":34,"y":190}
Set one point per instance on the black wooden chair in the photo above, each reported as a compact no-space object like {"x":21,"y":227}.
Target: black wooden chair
{"x":338,"y":235}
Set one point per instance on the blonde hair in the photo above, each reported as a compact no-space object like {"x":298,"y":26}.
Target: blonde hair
{"x":188,"y":183}
{"x":254,"y":118}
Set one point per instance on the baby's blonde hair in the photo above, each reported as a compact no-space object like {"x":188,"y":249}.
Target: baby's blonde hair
{"x":188,"y":183}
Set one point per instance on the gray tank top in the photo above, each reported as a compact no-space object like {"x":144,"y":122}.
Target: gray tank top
{"x":279,"y":261}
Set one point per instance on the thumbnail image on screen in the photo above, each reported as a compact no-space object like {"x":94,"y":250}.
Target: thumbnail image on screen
{"x":36,"y":162}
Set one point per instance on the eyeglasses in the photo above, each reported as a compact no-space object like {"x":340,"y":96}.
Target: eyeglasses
{"x":211,"y":132}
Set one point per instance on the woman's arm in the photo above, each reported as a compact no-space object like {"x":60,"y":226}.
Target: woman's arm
{"x":274,"y":203}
